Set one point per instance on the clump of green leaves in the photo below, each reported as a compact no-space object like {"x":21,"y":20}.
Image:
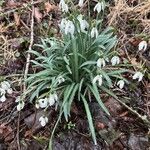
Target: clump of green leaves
{"x":72,"y":65}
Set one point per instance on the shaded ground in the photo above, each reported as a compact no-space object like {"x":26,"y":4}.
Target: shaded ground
{"x":123,"y":130}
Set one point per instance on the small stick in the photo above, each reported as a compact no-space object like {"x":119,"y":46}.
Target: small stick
{"x":30,"y":47}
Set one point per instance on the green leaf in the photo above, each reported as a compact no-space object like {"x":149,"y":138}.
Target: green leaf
{"x":95,"y":92}
{"x":89,"y":116}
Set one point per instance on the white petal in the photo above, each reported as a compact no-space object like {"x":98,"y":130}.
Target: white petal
{"x":2,"y":91}
{"x":142,"y":45}
{"x":46,"y":119}
{"x":100,"y":81}
{"x":37,"y":105}
{"x":97,"y":7}
{"x":94,"y":32}
{"x":80,"y":3}
{"x":5,"y":85}
{"x":69,"y":28}
{"x":3,"y":98}
{"x":51,"y":100}
{"x":120,"y":84}
{"x":10,"y":91}
{"x":17,"y":99}
{"x":95,"y":79}
{"x":20,"y":105}
{"x":63,"y":24}
{"x":43,"y":102}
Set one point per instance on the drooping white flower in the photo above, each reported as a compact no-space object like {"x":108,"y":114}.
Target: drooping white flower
{"x":115,"y":60}
{"x":83,"y":23}
{"x":52,"y":99}
{"x":70,"y":28}
{"x":43,"y":120}
{"x":61,"y":79}
{"x":43,"y":103}
{"x":100,"y":6}
{"x":5,"y":85}
{"x":121,"y":83}
{"x":20,"y":105}
{"x":3,"y":98}
{"x":138,"y":75}
{"x":98,"y":79}
{"x":63,"y":6}
{"x":2,"y":95}
{"x":62,"y":24}
{"x":94,"y":32}
{"x":101,"y":62}
{"x":142,"y":45}
{"x":80,"y":3}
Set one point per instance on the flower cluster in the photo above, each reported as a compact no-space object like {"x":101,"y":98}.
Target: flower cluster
{"x":115,"y":60}
{"x":45,"y":102}
{"x":4,"y":89}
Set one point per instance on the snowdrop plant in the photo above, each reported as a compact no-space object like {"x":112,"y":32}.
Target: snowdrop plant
{"x":75,"y":67}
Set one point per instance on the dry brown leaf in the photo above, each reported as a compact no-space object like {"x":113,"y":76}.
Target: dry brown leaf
{"x":37,"y":14}
{"x":17,"y":18}
{"x":12,"y":3}
{"x":2,"y":28}
{"x":135,"y":63}
{"x":49,"y":7}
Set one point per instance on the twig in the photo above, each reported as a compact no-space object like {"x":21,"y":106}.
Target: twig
{"x":17,"y":135}
{"x":30,"y":47}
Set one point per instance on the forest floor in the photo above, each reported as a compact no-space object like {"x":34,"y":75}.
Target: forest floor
{"x":123,"y":130}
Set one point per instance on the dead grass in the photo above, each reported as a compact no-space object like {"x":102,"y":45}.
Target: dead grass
{"x":6,"y":51}
{"x":124,"y":10}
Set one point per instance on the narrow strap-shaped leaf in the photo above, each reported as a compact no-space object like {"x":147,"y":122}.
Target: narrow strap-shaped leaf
{"x":88,"y":113}
{"x":95,"y":92}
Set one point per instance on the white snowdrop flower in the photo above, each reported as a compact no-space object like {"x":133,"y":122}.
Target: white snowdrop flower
{"x":100,"y":6}
{"x":99,"y":79}
{"x":3,"y":98}
{"x":43,"y":120}
{"x":62,"y":24}
{"x":63,"y":6}
{"x":94,"y":32}
{"x":5,"y":85}
{"x":17,"y":99}
{"x":101,"y":62}
{"x":20,"y":105}
{"x":81,"y":3}
{"x":138,"y":75}
{"x":142,"y":45}
{"x":61,"y":79}
{"x":52,"y":99}
{"x":2,"y":95}
{"x":121,"y":83}
{"x":70,"y":28}
{"x":115,"y":60}
{"x":83,"y":23}
{"x":43,"y":103}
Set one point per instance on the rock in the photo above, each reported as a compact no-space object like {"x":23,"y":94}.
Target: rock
{"x":138,"y":142}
